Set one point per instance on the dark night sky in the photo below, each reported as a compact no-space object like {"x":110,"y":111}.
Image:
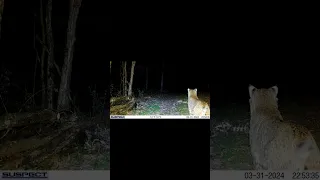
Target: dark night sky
{"x":178,"y":76}
{"x":100,"y":39}
{"x":92,"y":47}
{"x":188,"y":39}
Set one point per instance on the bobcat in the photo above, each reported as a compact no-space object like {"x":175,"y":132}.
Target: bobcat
{"x":276,"y":144}
{"x":196,"y":106}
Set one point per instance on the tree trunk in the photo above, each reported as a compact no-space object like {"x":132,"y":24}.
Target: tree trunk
{"x":37,"y":58}
{"x":122,"y":78}
{"x":50,"y":75}
{"x":110,"y":67}
{"x":110,"y":80}
{"x":125,"y":79}
{"x":64,"y":91}
{"x":43,"y":55}
{"x":147,"y":77}
{"x":131,"y":78}
{"x":162,"y":74}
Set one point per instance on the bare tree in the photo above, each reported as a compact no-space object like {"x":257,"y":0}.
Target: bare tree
{"x":43,"y":55}
{"x":147,"y":77}
{"x":110,"y":66}
{"x":110,"y":81}
{"x":124,"y":78}
{"x":131,"y":78}
{"x":64,"y":91}
{"x":37,"y":58}
{"x":50,"y":75}
{"x":162,"y":76}
{"x":1,"y":13}
{"x":127,"y":86}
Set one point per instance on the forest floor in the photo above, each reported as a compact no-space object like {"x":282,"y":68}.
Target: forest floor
{"x":92,"y":154}
{"x":165,"y":104}
{"x":46,"y":140}
{"x":229,"y":141}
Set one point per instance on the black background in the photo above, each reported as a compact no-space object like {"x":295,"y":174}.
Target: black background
{"x":242,"y":50}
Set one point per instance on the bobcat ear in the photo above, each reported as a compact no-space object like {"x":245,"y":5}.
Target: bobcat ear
{"x":188,"y":89}
{"x":251,"y":90}
{"x":195,"y":89}
{"x":275,"y":90}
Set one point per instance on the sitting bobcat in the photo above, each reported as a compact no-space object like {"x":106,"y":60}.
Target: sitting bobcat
{"x":276,"y":144}
{"x":196,"y":106}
